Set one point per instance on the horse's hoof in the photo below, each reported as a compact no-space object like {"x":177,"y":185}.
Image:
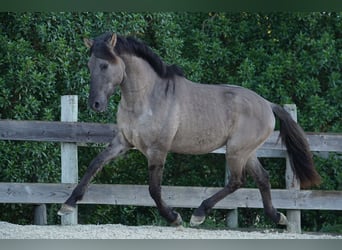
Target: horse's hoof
{"x":196,"y":220}
{"x":283,"y":219}
{"x":65,"y":209}
{"x":178,"y":221}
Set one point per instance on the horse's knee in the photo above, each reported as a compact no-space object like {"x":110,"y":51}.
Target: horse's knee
{"x":235,"y":184}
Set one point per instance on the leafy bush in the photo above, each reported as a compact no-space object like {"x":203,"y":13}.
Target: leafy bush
{"x":285,"y":57}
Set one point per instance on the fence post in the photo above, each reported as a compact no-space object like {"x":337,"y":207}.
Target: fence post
{"x":69,"y":162}
{"x":40,"y":216}
{"x":293,"y":216}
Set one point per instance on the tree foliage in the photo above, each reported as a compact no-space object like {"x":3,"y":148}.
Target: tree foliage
{"x":285,"y":57}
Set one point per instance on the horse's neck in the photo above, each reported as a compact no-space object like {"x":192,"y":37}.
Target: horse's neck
{"x":139,"y":82}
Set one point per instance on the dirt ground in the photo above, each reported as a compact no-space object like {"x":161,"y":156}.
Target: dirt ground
{"x":117,"y":231}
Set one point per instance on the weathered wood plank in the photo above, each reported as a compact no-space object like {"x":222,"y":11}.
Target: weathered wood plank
{"x":189,"y":197}
{"x":328,"y":142}
{"x":40,"y":215}
{"x":79,"y":132}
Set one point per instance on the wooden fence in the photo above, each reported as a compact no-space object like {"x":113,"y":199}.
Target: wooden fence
{"x":72,"y":134}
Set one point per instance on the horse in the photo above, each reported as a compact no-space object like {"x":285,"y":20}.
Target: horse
{"x":161,"y":111}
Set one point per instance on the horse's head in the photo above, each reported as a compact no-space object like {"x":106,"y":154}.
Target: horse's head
{"x":107,"y":70}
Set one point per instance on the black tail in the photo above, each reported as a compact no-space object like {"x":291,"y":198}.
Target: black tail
{"x":293,"y":136}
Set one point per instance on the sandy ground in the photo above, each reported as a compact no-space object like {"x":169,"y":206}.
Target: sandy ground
{"x":117,"y":231}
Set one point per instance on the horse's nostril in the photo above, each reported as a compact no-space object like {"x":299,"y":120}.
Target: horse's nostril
{"x":96,"y":105}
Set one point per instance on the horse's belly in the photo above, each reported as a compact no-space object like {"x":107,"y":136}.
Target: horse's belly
{"x":198,"y":143}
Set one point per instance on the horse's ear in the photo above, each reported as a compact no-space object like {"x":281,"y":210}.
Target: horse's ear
{"x":88,"y":42}
{"x":112,"y":41}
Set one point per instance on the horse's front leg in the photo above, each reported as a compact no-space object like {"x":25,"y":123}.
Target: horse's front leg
{"x":116,"y":148}
{"x":155,"y":167}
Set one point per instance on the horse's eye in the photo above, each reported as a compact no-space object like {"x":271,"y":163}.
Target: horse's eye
{"x":103,"y":66}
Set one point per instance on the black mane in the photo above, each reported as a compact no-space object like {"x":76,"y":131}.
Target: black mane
{"x":131,"y":45}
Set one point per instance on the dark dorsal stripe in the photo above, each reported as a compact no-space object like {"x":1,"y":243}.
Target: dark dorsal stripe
{"x":131,"y":45}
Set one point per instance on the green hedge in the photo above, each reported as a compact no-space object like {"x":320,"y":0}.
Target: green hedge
{"x":285,"y":57}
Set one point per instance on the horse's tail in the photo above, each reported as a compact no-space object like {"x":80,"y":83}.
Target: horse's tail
{"x":293,"y":136}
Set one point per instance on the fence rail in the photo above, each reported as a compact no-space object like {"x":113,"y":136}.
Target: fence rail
{"x":79,"y":133}
{"x":83,"y":132}
{"x":185,"y":197}
{"x":43,"y":131}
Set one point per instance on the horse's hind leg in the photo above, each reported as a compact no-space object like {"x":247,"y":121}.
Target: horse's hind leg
{"x":236,"y":180}
{"x":261,"y":178}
